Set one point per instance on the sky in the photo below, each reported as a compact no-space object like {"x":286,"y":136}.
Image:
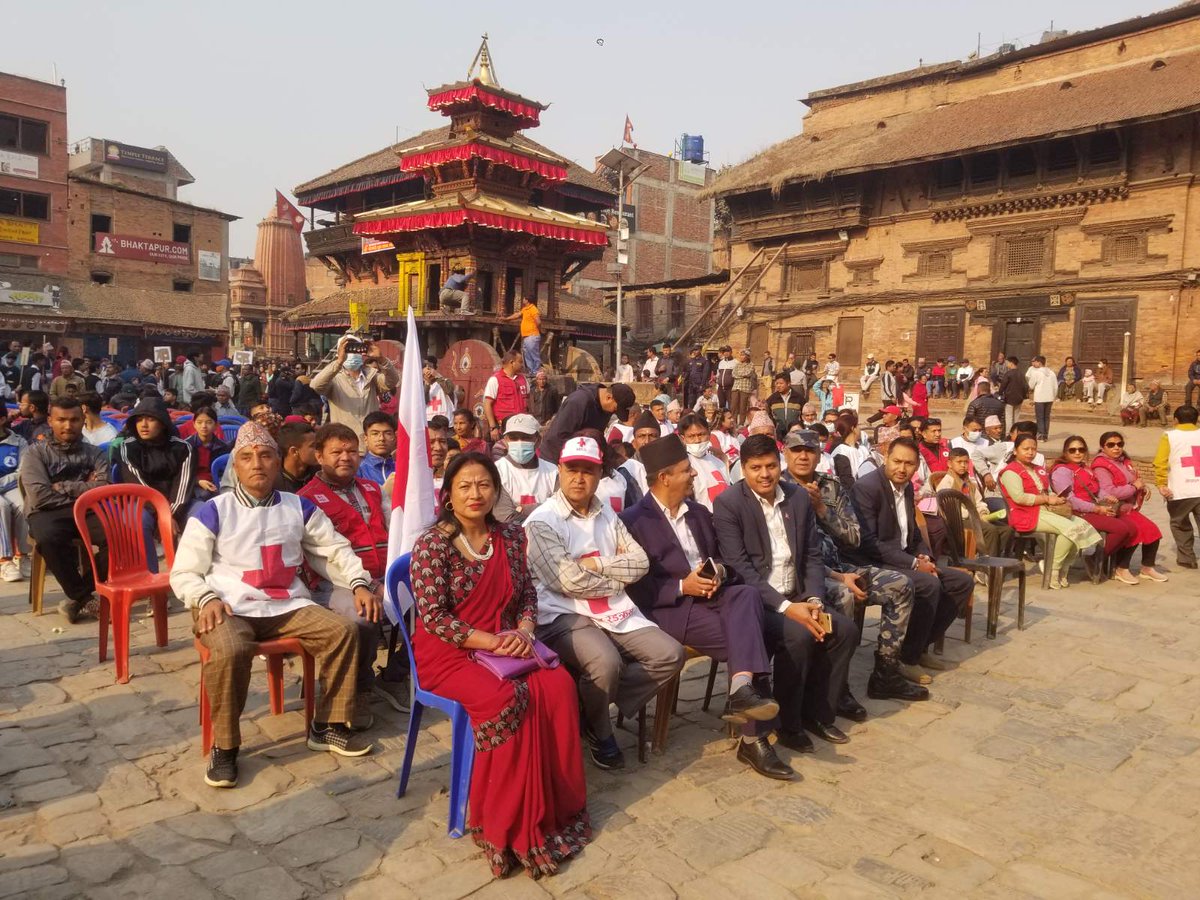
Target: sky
{"x":252,"y":96}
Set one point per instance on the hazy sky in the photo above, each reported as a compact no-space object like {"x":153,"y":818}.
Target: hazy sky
{"x":255,"y":95}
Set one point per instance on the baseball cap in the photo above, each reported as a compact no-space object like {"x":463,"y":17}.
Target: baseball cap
{"x":623,"y":394}
{"x":893,"y":410}
{"x":522,"y":423}
{"x":581,"y":449}
{"x":806,"y":439}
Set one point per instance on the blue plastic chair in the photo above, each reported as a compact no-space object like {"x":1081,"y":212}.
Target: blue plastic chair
{"x":232,"y":420}
{"x":229,"y":433}
{"x":114,"y":474}
{"x":462,"y":741}
{"x":217,"y":467}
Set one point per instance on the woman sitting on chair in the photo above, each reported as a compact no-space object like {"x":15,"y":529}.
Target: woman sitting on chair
{"x":1121,"y":485}
{"x":474,"y":592}
{"x":1070,"y":475}
{"x":1033,"y":507}
{"x":209,"y":444}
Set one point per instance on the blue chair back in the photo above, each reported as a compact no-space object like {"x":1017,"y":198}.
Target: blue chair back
{"x":217,"y":467}
{"x":462,"y":740}
{"x":232,"y":420}
{"x":114,"y":474}
{"x":229,"y":432}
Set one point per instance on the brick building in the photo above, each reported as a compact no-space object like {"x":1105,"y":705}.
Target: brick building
{"x":33,"y":207}
{"x":670,"y":226}
{"x":1033,"y":201}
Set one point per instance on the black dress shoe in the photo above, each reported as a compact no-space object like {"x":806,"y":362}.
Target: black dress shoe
{"x":886,"y":683}
{"x":763,"y":759}
{"x":1187,"y":565}
{"x":795,"y":740}
{"x":746,"y":704}
{"x":851,"y":709}
{"x":830,"y":733}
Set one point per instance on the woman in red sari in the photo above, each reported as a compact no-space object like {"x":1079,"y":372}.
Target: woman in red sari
{"x":528,"y":799}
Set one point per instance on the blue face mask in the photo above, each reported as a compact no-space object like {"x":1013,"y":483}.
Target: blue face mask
{"x":354,"y":361}
{"x":520,"y":451}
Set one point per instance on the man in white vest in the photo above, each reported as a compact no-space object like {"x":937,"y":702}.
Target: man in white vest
{"x":1177,"y":473}
{"x":236,"y":569}
{"x":582,"y":559}
{"x":525,"y":480}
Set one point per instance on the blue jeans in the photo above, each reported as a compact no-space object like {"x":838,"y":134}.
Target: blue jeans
{"x":1042,"y":414}
{"x":531,"y":349}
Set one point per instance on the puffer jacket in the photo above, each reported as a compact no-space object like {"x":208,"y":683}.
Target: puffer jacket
{"x":52,"y":474}
{"x":167,"y":464}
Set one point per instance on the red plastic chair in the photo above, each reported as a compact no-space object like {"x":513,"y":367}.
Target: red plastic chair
{"x":274,"y":651}
{"x":119,"y":508}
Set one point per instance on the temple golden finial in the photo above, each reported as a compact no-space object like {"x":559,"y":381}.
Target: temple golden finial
{"x":483,"y":61}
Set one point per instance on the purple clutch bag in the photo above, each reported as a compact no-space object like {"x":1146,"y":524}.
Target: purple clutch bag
{"x":514,"y":667}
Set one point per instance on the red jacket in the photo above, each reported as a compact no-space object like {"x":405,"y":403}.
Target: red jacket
{"x":510,"y":395}
{"x":369,"y":539}
{"x":1023,"y":519}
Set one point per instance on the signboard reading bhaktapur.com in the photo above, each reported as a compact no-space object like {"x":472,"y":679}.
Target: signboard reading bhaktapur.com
{"x":123,"y":246}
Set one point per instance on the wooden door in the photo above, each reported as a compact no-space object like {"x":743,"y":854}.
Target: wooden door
{"x":1021,"y":341}
{"x":802,"y":344}
{"x":850,"y":340}
{"x":1100,"y":327}
{"x":940,"y":332}
{"x":759,"y":338}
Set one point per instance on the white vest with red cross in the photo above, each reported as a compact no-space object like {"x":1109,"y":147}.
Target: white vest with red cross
{"x":1183,"y":478}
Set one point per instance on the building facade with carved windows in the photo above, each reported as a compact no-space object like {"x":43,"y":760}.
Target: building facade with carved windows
{"x":1039,"y":201}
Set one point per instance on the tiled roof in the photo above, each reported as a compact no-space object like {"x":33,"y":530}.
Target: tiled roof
{"x":1145,"y":89}
{"x":381,"y":298}
{"x":570,"y":310}
{"x":388,"y":160}
{"x":130,"y":306}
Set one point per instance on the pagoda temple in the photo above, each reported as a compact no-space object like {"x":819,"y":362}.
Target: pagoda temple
{"x":476,"y":193}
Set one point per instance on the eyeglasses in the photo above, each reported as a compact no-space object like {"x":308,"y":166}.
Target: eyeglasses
{"x":1115,"y":444}
{"x":1078,"y":449}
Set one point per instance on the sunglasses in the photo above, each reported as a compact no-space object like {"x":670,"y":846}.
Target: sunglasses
{"x":1115,"y":444}
{"x":1078,"y":449}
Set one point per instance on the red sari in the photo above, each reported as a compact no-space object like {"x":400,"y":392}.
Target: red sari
{"x":528,"y":800}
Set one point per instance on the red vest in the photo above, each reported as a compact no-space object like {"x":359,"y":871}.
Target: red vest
{"x":1084,"y":484}
{"x":1120,"y":478}
{"x":1023,"y":518}
{"x":511,"y":394}
{"x":368,"y":539}
{"x":936,"y":462}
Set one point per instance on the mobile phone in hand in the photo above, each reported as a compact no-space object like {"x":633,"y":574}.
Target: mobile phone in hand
{"x":825,"y":621}
{"x":708,"y":569}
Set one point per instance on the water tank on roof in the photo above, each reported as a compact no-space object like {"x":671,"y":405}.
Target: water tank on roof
{"x":692,"y":148}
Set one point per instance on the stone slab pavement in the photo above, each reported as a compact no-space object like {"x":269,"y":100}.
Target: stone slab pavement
{"x":1059,"y":761}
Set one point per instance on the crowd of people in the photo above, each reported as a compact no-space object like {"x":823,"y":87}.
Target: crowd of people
{"x":586,"y":530}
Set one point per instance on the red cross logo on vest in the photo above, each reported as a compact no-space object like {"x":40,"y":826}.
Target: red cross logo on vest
{"x":719,"y":484}
{"x":597,"y":605}
{"x":274,"y":578}
{"x":617,"y":503}
{"x":1193,"y":460}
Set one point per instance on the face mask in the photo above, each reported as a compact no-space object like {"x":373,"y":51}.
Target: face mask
{"x":972,"y":436}
{"x":521,"y":451}
{"x":354,"y":361}
{"x":697,"y":450}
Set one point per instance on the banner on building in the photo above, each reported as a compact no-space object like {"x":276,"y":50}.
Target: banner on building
{"x":135,"y":157}
{"x":19,"y":164}
{"x":372,"y":245}
{"x":209,"y":263}
{"x":43,"y":297}
{"x":691,"y":173}
{"x":123,"y":246}
{"x":20,"y":232}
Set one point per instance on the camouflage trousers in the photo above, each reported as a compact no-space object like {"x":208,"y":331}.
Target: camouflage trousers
{"x":887,"y":589}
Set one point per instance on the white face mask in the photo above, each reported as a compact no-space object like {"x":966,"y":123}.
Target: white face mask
{"x":520,"y":451}
{"x":697,"y":450}
{"x":354,"y":361}
{"x":972,"y":436}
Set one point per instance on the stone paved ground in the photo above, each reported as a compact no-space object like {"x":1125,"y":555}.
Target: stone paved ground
{"x":1056,"y":762}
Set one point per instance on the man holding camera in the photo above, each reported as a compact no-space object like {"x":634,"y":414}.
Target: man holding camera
{"x":354,"y":380}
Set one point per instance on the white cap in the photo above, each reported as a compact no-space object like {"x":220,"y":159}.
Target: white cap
{"x":581,"y":449}
{"x":522,"y":423}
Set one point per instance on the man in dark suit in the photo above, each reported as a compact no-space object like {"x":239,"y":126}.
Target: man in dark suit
{"x":890,"y":538}
{"x":703,"y":607}
{"x":767,"y":533}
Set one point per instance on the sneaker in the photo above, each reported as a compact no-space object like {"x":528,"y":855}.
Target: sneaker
{"x":10,"y":571}
{"x":69,"y":610}
{"x":222,"y":768}
{"x":466,"y":312}
{"x":1125,"y":577}
{"x":337,"y":738}
{"x":1147,"y":573}
{"x":607,"y":755}
{"x":26,"y":566}
{"x":394,"y":693}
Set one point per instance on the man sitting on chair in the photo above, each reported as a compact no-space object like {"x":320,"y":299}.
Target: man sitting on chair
{"x":583,"y":559}
{"x":703,"y":608}
{"x":767,"y":533}
{"x":890,"y":538}
{"x":235,"y":568}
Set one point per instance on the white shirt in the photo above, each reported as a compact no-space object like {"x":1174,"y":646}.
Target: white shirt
{"x":1043,"y":383}
{"x":832,"y":368}
{"x":665,"y":428}
{"x":635,"y":468}
{"x":527,"y":487}
{"x":611,"y":492}
{"x":625,"y":374}
{"x":711,"y":479}
{"x":901,"y":513}
{"x":650,"y":367}
{"x":101,"y":435}
{"x":783,"y":568}
{"x":683,"y":534}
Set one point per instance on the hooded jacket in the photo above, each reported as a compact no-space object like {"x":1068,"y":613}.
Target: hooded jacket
{"x":167,"y":464}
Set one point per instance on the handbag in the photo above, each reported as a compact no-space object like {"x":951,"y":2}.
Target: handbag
{"x":514,"y":667}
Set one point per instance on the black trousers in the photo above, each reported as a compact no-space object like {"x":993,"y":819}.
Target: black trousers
{"x":937,"y":601}
{"x":55,"y":533}
{"x":810,"y":675}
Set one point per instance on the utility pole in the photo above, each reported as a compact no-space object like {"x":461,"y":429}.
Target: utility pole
{"x":628,"y":169}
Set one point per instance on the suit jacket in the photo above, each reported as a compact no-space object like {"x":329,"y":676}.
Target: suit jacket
{"x":881,"y":543}
{"x":745,"y":542}
{"x":657,"y":593}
